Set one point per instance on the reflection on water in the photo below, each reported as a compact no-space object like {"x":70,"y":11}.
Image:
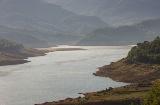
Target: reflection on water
{"x":58,"y":75}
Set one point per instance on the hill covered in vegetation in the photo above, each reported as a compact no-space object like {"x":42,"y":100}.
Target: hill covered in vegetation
{"x":146,"y":52}
{"x":141,"y":64}
{"x":6,"y":45}
{"x":14,"y":53}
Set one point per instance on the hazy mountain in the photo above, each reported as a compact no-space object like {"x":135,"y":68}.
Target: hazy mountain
{"x":45,"y":22}
{"x":48,"y":13}
{"x":34,"y":9}
{"x":123,"y":35}
{"x":20,"y":36}
{"x":36,"y":37}
{"x":114,"y":11}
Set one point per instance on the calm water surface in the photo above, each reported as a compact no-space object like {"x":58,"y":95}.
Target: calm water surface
{"x":58,"y":75}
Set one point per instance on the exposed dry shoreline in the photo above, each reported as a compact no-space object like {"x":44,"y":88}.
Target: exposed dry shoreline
{"x":18,"y":57}
{"x":138,"y":73}
{"x":58,"y":49}
{"x":113,"y":96}
{"x":123,"y":71}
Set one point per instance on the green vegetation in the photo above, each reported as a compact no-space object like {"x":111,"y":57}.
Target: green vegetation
{"x":146,"y":52}
{"x":6,"y":45}
{"x":153,"y":97}
{"x":12,"y":53}
{"x":125,"y":95}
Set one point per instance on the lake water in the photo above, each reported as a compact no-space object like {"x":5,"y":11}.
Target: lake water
{"x":58,"y":75}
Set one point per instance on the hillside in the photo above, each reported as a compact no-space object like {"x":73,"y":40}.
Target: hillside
{"x":141,"y":64}
{"x":117,"y":12}
{"x":113,"y":96}
{"x":12,"y":53}
{"x":36,"y":37}
{"x":6,"y":45}
{"x":46,"y":22}
{"x":146,"y":52}
{"x":123,"y":35}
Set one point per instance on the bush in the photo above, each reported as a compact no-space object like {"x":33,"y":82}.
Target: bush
{"x":9,"y":45}
{"x":146,"y":52}
{"x":153,"y":97}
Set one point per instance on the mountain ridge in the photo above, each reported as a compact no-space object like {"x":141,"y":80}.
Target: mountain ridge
{"x":117,"y":12}
{"x":122,"y":35}
{"x":47,"y":19}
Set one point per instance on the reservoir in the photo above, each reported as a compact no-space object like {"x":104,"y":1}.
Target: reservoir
{"x":58,"y":75}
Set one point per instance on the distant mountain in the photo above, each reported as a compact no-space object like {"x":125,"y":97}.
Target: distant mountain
{"x":123,"y":35}
{"x":36,"y":10}
{"x":45,"y":22}
{"x":117,"y":12}
{"x":36,"y":37}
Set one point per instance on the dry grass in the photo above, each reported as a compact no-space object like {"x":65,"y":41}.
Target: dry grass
{"x":120,"y":94}
{"x":125,"y":72}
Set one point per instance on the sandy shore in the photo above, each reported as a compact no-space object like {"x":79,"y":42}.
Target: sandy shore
{"x":52,"y":49}
{"x":10,"y":58}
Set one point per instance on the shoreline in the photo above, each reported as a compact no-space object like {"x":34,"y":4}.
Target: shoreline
{"x":124,"y":95}
{"x":13,"y":62}
{"x":52,"y":49}
{"x":15,"y":58}
{"x":122,"y":71}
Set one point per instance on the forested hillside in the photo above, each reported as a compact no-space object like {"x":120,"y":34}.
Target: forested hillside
{"x":141,"y":65}
{"x":146,"y":52}
{"x":14,"y":53}
{"x":6,"y":45}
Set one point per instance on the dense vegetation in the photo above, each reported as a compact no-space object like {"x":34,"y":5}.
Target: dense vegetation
{"x":12,"y":53}
{"x":9,"y":45}
{"x":146,"y":52}
{"x":153,"y":97}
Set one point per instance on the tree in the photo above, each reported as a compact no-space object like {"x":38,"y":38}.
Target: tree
{"x":146,"y":52}
{"x":9,"y":45}
{"x":153,"y":97}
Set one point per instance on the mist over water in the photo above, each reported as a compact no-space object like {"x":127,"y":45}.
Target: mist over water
{"x":58,"y":75}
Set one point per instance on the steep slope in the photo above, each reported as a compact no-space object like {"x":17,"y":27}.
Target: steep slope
{"x":34,"y":9}
{"x":123,"y":35}
{"x":47,"y":13}
{"x":42,"y":31}
{"x":36,"y":37}
{"x":43,"y":23}
{"x":117,"y":12}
